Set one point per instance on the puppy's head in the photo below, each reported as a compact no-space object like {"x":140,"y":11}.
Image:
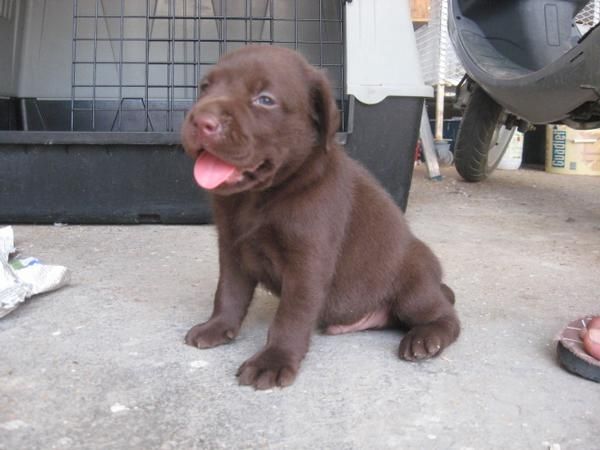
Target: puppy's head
{"x":262,"y":111}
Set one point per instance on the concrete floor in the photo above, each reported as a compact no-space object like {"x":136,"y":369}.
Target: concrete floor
{"x":102,"y":364}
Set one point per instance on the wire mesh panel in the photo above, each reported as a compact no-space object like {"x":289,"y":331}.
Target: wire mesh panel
{"x":439,"y":62}
{"x":589,"y":15}
{"x":137,"y":63}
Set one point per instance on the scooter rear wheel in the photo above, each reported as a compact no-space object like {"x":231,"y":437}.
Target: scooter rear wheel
{"x":482,"y":138}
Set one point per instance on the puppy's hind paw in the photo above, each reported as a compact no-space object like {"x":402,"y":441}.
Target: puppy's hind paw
{"x":421,"y":343}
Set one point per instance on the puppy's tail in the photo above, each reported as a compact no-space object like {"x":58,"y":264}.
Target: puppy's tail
{"x":449,"y":293}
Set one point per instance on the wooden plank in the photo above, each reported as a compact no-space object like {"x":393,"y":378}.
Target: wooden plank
{"x":420,"y":10}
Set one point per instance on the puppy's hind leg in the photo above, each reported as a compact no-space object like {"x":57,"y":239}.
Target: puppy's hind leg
{"x":427,"y":308}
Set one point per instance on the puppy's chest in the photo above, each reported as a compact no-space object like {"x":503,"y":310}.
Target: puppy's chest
{"x":260,"y":256}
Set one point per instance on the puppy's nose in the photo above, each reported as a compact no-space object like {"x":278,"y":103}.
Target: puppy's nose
{"x":207,"y":124}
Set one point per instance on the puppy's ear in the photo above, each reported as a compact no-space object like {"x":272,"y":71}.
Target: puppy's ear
{"x":324,"y":114}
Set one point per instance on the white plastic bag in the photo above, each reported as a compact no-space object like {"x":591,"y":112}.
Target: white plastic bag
{"x":20,"y":278}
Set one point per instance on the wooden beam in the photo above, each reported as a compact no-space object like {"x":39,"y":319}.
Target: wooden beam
{"x":420,"y":10}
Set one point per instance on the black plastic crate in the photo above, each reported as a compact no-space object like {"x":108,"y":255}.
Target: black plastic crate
{"x":109,"y":153}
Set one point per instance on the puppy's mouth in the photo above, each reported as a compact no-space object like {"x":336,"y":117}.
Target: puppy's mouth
{"x":212,"y":172}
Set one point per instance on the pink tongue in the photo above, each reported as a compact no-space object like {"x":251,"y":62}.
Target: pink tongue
{"x":210,"y":171}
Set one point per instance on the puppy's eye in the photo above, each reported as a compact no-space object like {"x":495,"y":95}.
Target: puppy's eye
{"x":264,"y":100}
{"x":203,"y":86}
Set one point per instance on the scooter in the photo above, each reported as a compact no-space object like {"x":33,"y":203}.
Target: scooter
{"x":527,"y":63}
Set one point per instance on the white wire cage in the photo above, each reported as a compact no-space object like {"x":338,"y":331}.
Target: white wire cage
{"x":136,"y":64}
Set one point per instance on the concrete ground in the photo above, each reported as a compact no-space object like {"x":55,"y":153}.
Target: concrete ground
{"x":101,"y":364}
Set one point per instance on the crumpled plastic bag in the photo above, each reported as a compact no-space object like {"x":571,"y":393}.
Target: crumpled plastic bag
{"x":20,"y":278}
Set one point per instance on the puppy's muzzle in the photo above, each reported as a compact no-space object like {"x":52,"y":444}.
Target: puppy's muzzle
{"x":208,"y":128}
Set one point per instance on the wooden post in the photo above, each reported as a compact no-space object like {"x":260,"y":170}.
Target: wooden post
{"x":440,"y":93}
{"x":420,"y":11}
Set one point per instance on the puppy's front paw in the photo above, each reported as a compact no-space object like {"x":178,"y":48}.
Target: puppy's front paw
{"x":210,"y":334}
{"x":268,"y":368}
{"x":420,"y":343}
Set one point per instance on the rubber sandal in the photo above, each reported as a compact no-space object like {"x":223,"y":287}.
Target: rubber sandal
{"x":571,"y":353}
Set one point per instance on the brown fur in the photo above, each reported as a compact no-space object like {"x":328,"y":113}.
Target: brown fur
{"x":307,"y":222}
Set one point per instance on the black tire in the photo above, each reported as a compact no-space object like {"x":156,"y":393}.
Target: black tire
{"x":474,"y":138}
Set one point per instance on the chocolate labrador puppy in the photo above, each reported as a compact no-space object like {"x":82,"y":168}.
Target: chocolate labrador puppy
{"x":297,"y":215}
